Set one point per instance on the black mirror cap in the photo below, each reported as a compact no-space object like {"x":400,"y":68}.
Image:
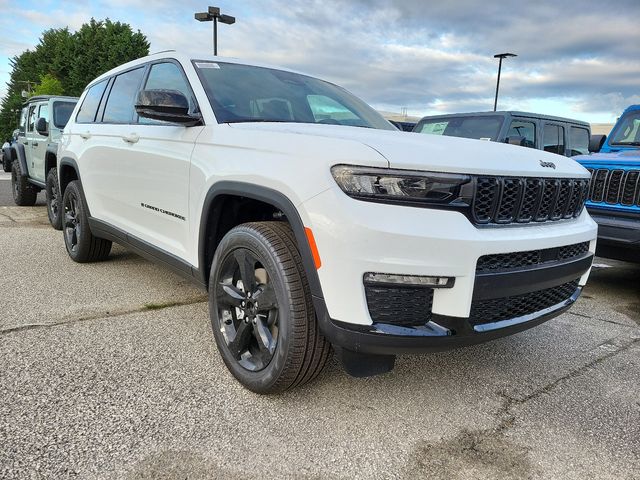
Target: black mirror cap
{"x":517,"y":140}
{"x":42,"y":126}
{"x":596,"y":142}
{"x":166,"y":105}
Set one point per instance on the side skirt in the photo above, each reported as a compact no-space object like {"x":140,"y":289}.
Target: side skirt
{"x":145,"y":249}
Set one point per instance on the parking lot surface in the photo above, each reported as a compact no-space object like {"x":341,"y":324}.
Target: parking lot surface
{"x":109,"y":370}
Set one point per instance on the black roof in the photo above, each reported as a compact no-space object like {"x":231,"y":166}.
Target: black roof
{"x":514,"y":113}
{"x":39,"y":98}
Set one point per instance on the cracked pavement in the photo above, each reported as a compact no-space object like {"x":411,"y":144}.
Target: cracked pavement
{"x":97,"y":380}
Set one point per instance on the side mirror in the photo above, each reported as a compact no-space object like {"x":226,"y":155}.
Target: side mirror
{"x":517,"y":140}
{"x":596,"y":142}
{"x":166,"y":105}
{"x":42,"y":126}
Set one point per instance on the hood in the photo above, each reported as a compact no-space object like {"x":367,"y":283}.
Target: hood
{"x":437,"y":153}
{"x":628,"y":158}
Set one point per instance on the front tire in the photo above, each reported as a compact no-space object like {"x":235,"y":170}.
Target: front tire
{"x":24,"y":194}
{"x":261,"y":310}
{"x":82,"y":246}
{"x":54,"y":207}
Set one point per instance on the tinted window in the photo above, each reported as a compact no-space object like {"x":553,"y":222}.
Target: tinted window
{"x":553,"y":138}
{"x":244,"y":93}
{"x":478,"y":127}
{"x":87,"y":113}
{"x":23,"y":120}
{"x":32,"y":118}
{"x":578,"y":141}
{"x":43,"y":111}
{"x":627,"y":130}
{"x":62,"y":112}
{"x":166,"y":76}
{"x":119,"y":108}
{"x":524,"y":129}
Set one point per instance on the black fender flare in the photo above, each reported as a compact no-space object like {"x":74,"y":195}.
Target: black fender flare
{"x":69,"y":162}
{"x":21,"y":156}
{"x":272,"y":197}
{"x":50,"y":157}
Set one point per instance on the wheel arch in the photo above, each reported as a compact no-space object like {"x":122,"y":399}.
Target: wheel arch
{"x":67,"y":172}
{"x":266,"y":195}
{"x":50,"y":160}
{"x":20,"y":155}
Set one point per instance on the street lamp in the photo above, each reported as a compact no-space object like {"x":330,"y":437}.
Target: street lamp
{"x":213,"y":14}
{"x":500,"y":56}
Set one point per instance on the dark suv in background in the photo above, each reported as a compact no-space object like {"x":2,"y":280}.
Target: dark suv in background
{"x":544,"y":132}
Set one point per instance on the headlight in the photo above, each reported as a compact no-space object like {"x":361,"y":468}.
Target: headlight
{"x":405,"y":186}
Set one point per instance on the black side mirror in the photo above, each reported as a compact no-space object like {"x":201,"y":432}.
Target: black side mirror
{"x":516,"y":140}
{"x":42,"y":126}
{"x":166,"y":105}
{"x":596,"y":142}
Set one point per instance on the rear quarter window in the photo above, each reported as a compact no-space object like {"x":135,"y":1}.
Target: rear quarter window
{"x":91,"y":102}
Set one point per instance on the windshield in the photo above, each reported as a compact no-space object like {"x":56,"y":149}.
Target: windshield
{"x":244,"y":93}
{"x":62,"y":112}
{"x":628,"y":130}
{"x":478,"y":127}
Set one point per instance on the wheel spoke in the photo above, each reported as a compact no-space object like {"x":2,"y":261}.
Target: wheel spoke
{"x":227,"y":294}
{"x":69,"y":220}
{"x":266,"y":342}
{"x":266,"y":297}
{"x":247,"y":263}
{"x":240,"y":341}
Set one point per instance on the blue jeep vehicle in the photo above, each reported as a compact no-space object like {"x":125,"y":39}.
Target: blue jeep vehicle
{"x":614,"y":195}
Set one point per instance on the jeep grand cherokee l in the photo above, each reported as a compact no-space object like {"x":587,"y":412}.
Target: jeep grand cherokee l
{"x":312,"y":221}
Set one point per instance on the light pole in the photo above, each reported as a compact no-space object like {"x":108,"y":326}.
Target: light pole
{"x":500,"y":56}
{"x":213,"y":14}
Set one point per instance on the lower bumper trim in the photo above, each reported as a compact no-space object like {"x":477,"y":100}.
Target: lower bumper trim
{"x":441,"y":333}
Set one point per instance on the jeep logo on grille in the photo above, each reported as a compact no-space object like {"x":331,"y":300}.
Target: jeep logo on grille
{"x":548,"y":164}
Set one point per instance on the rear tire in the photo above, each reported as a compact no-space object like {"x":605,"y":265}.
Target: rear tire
{"x":82,"y":246}
{"x":6,"y":163}
{"x":24,"y":194}
{"x":261,"y":310}
{"x":54,"y":207}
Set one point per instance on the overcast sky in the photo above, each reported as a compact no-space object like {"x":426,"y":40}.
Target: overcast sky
{"x":576,"y":58}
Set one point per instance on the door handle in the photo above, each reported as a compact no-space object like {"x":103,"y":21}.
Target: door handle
{"x":35,"y":144}
{"x":26,"y":143}
{"x":86,"y":135}
{"x":133,"y":138}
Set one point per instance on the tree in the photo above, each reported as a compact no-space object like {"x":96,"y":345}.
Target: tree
{"x":64,"y":63}
{"x":49,"y":85}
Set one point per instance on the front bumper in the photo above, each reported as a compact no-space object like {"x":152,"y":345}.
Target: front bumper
{"x":355,"y":237}
{"x":617,"y":230}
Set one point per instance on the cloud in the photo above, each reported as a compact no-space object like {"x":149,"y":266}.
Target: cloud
{"x":427,"y":56}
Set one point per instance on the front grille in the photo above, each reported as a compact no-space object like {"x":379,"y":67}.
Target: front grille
{"x":506,"y":308}
{"x":403,"y":306}
{"x":505,"y":261}
{"x":504,"y":200}
{"x":615,"y":186}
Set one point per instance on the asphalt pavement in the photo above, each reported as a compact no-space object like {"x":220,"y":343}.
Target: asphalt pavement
{"x":110,"y":371}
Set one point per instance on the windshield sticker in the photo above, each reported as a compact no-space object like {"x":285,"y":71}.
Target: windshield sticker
{"x":207,"y":65}
{"x":434,"y":128}
{"x":485,"y":138}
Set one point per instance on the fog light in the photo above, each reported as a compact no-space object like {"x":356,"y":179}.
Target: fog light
{"x":408,"y":280}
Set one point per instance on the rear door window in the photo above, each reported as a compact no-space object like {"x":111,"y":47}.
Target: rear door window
{"x":120,"y":104}
{"x":578,"y":141}
{"x":553,"y":139}
{"x":89,"y":108}
{"x":521,"y":128}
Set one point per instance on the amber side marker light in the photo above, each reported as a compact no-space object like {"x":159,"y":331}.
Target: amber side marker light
{"x":314,"y":247}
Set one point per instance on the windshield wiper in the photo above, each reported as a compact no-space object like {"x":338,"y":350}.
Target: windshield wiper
{"x":270,"y":120}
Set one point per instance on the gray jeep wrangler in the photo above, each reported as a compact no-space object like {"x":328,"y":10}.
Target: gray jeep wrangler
{"x":33,"y":155}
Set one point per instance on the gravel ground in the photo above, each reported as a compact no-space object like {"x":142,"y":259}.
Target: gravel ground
{"x":102,"y":375}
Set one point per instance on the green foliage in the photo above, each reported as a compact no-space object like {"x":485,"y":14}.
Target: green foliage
{"x":49,"y":85}
{"x":63,"y":63}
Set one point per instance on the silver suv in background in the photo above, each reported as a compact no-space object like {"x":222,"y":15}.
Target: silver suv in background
{"x":33,"y":155}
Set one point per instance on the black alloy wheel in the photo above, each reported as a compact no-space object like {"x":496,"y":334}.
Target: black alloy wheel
{"x":247,"y":309}
{"x":71,"y":224}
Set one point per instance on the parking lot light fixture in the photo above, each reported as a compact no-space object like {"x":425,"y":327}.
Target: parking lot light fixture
{"x":213,"y":15}
{"x":501,"y":56}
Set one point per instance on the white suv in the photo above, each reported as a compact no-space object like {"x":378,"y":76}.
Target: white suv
{"x":313,"y":222}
